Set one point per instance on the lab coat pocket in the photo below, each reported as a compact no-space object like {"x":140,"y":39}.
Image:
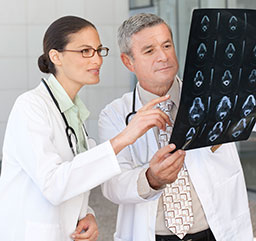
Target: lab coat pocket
{"x":42,"y":232}
{"x":230,"y":198}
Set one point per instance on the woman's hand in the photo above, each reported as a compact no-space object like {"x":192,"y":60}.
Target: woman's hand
{"x":86,"y":230}
{"x":145,"y":118}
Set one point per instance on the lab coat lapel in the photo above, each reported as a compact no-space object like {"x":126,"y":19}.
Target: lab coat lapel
{"x":149,"y":136}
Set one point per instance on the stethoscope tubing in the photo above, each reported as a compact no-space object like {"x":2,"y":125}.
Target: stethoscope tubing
{"x":133,"y":112}
{"x":70,"y":132}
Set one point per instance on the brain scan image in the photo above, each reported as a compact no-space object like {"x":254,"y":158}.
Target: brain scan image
{"x":233,"y":23}
{"x":239,"y":128}
{"x":189,"y":136}
{"x":199,"y":79}
{"x":196,"y":112}
{"x":201,"y":51}
{"x":230,"y":51}
{"x":254,"y":52}
{"x":205,"y":23}
{"x":223,"y":108}
{"x":215,"y":132}
{"x":226,"y":78}
{"x":252,"y":78}
{"x":218,"y":93}
{"x":248,"y":105}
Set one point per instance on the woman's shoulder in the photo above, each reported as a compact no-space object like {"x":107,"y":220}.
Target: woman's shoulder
{"x":36,"y":95}
{"x":34,"y":98}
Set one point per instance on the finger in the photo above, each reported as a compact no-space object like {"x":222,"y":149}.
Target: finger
{"x":80,"y":227}
{"x":92,"y":237}
{"x":155,"y":114}
{"x":78,"y":230}
{"x":147,"y":121}
{"x":155,"y":101}
{"x":162,"y":115}
{"x":161,"y":153}
{"x":173,"y":162}
{"x":84,"y":235}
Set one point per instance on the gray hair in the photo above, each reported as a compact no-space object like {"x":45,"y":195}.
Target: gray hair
{"x":134,"y":25}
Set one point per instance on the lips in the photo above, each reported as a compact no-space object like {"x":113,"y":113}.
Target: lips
{"x":162,"y":69}
{"x":95,"y":71}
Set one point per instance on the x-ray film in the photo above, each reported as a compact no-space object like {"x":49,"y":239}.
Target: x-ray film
{"x":218,"y":99}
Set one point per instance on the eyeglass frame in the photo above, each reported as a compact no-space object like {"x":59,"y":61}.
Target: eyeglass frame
{"x":81,"y":51}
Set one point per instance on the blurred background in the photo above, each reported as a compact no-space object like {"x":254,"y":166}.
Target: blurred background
{"x":22,"y":26}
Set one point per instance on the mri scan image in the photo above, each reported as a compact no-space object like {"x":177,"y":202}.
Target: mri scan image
{"x":201,"y":51}
{"x":252,"y":79}
{"x":230,"y":51}
{"x":205,"y":23}
{"x":189,"y":136}
{"x":196,"y":112}
{"x":216,"y":131}
{"x":226,"y":78}
{"x":223,"y":108}
{"x":248,"y":106}
{"x":199,"y":79}
{"x":233,"y":22}
{"x":239,"y":128}
{"x":218,"y":97}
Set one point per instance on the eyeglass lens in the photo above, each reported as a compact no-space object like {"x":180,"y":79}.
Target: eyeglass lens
{"x":89,"y":52}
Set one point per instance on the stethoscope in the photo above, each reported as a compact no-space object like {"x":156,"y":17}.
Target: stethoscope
{"x":133,"y":112}
{"x":70,"y":132}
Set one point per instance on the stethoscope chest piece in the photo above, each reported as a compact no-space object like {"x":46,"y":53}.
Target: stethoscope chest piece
{"x":91,"y":143}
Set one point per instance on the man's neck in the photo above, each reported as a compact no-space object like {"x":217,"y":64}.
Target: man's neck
{"x":158,"y":90}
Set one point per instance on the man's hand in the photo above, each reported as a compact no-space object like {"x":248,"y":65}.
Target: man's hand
{"x":164,"y":167}
{"x":86,"y":230}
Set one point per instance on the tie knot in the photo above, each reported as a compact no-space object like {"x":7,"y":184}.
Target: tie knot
{"x":166,"y":106}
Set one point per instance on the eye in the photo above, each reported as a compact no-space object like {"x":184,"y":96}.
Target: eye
{"x":167,"y":46}
{"x":149,"y":51}
{"x":86,"y":51}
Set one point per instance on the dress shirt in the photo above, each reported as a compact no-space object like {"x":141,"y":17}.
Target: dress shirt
{"x":144,"y":189}
{"x":75,"y":111}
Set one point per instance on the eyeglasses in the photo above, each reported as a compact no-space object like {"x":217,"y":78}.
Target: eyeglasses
{"x":89,"y":52}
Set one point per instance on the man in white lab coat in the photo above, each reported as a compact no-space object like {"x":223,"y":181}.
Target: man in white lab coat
{"x":219,"y":197}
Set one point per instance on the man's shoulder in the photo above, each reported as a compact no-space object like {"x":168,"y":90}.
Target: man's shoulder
{"x":120,"y":103}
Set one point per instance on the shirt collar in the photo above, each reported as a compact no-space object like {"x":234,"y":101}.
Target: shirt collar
{"x":174,"y":92}
{"x":64,"y":100}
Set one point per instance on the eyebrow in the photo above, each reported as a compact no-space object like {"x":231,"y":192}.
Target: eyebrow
{"x":150,"y":46}
{"x":88,"y":46}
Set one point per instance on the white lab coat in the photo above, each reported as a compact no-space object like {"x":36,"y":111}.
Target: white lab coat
{"x":44,"y":190}
{"x":217,"y":177}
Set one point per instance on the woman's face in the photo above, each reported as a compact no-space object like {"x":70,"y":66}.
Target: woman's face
{"x":74,"y":70}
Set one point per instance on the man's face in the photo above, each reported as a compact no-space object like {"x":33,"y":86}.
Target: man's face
{"x":154,"y":59}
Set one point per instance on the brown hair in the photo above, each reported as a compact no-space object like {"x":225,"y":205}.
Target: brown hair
{"x":57,"y":37}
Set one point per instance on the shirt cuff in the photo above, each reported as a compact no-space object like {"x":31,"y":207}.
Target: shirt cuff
{"x":144,"y":189}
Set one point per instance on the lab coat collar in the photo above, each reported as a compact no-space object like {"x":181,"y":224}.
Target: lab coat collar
{"x":64,"y":100}
{"x":149,"y":137}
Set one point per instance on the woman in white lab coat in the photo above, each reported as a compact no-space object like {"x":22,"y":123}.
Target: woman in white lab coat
{"x":48,"y":166}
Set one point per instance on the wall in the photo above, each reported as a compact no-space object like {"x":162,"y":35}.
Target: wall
{"x":22,"y":26}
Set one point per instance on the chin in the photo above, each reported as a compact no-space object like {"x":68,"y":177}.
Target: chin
{"x":92,"y":82}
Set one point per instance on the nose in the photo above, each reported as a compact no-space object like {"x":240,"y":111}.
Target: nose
{"x":97,"y":59}
{"x":162,"y":55}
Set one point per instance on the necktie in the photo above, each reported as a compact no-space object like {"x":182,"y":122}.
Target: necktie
{"x":176,"y":196}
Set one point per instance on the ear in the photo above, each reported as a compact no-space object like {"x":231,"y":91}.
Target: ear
{"x":54,"y":56}
{"x":127,"y":61}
